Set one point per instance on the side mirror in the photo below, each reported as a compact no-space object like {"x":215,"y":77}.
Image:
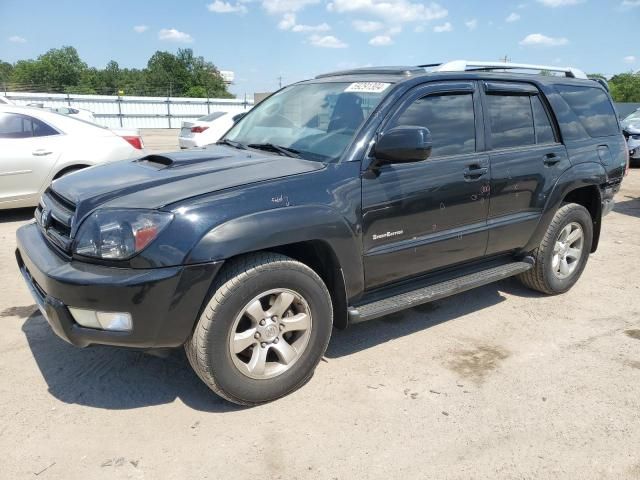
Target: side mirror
{"x":237,"y":117}
{"x":403,"y":145}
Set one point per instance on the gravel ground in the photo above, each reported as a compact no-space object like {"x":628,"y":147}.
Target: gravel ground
{"x":499,"y":382}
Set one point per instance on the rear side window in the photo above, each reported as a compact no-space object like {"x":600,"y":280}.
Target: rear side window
{"x":544,"y":130}
{"x":592,"y":107}
{"x":22,"y":126}
{"x":450,"y":118}
{"x":511,"y":121}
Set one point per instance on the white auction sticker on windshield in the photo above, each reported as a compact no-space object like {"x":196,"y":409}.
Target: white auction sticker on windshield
{"x":367,"y":87}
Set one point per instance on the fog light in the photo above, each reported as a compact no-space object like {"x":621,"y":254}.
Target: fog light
{"x":113,"y":321}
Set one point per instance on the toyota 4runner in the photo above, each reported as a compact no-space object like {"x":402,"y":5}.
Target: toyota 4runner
{"x":336,"y":200}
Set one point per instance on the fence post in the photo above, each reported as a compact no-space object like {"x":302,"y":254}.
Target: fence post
{"x":119,"y":102}
{"x":169,"y":110}
{"x":68,"y":100}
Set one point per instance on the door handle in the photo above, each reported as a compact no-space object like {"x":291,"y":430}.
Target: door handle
{"x":474,"y":172}
{"x":41,"y":152}
{"x":551,"y":159}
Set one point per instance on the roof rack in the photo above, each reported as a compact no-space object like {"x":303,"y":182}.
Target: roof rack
{"x":400,"y":70}
{"x":470,"y":65}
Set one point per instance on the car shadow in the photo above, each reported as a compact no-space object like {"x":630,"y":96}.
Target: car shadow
{"x":630,"y":206}
{"x":113,"y":378}
{"x":116,"y":378}
{"x":370,"y":334}
{"x":16,"y":215}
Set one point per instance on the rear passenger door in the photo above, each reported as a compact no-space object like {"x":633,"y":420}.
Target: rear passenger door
{"x":526,"y":160}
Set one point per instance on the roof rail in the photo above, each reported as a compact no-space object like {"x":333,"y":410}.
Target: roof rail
{"x":470,"y":65}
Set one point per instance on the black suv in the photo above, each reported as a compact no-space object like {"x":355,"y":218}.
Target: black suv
{"x":336,"y":200}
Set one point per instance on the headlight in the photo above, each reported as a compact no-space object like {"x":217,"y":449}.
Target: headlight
{"x":119,"y":234}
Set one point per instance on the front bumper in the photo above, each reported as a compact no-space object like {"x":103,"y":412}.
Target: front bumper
{"x":163,"y":302}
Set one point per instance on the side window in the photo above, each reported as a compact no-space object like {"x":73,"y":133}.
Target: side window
{"x":544,"y":130}
{"x":511,"y":121}
{"x":592,"y":107}
{"x":450,"y":118}
{"x":15,"y":126}
{"x":41,"y":129}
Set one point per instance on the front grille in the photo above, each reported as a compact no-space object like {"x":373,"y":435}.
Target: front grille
{"x":54,"y":216}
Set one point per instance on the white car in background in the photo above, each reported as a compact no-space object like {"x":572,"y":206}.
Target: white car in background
{"x":631,"y":130}
{"x":207,"y":130}
{"x":38,"y":146}
{"x":80,"y":113}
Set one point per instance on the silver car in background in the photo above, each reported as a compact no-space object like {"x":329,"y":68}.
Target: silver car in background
{"x":631,"y":129}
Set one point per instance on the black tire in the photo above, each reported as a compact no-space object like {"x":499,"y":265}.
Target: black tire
{"x":240,"y":281}
{"x":542,"y":277}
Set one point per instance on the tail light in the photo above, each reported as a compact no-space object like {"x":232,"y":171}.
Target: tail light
{"x":135,"y":142}
{"x":198,"y":129}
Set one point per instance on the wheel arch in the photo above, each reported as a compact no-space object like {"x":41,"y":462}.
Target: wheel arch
{"x":578,"y":184}
{"x":69,"y":168}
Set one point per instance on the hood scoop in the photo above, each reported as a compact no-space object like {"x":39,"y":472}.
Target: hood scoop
{"x":179,"y":159}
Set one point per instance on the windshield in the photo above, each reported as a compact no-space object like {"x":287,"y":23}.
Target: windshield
{"x":316,"y":121}
{"x":633,"y":119}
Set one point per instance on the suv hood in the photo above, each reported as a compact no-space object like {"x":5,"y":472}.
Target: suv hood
{"x":155,"y":181}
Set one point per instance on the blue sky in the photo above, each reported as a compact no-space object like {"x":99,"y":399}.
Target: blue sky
{"x":261,"y":40}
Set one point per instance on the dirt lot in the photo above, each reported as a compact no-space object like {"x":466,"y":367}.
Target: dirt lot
{"x":495,"y":383}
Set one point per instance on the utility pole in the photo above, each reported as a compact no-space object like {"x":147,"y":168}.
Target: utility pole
{"x":279,"y":81}
{"x":505,"y":59}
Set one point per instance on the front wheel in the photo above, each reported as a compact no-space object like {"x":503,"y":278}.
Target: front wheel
{"x":563,"y":253}
{"x":263,"y":331}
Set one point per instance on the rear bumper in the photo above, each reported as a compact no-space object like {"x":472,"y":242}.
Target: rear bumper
{"x":187,"y":142}
{"x":163,"y":302}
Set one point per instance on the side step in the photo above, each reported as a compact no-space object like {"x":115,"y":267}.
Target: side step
{"x":436,"y":291}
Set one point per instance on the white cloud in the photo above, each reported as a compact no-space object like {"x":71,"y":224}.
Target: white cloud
{"x":284,"y":6}
{"x":559,"y":3}
{"x":17,"y":39}
{"x":321,"y":27}
{"x":173,"y":35}
{"x":630,"y":59}
{"x":367,"y":26}
{"x":445,"y":27}
{"x":220,"y":6}
{"x":472,"y":24}
{"x":397,"y":11}
{"x":543,"y":40}
{"x":630,"y":3}
{"x":326,"y":41}
{"x":140,"y":28}
{"x":288,"y":22}
{"x":381,"y":41}
{"x":513,"y":17}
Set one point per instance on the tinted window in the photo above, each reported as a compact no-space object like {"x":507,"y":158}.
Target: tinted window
{"x":450,"y":119}
{"x":21,"y":126}
{"x":592,"y":107}
{"x":511,"y":120}
{"x":41,"y":129}
{"x":544,"y":131}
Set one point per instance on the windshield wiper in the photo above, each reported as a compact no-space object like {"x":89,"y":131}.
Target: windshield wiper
{"x":231,"y":143}
{"x":270,"y":147}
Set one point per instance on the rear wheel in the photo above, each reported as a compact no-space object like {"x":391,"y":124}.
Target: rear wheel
{"x":263,"y":331}
{"x":563,"y":252}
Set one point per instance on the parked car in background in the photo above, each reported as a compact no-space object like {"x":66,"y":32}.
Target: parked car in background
{"x":5,"y":101}
{"x":206,"y":130}
{"x":38,"y":146}
{"x":80,"y":113}
{"x":631,"y":130}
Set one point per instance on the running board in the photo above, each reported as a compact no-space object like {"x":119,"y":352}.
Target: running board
{"x":436,"y":291}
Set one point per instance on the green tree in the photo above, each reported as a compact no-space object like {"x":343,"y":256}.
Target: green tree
{"x":56,"y":69}
{"x":625,"y":87}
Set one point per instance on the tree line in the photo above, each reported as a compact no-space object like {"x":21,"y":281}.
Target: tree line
{"x":61,"y":70}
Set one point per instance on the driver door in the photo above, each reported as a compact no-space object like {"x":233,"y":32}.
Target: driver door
{"x":422,"y":216}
